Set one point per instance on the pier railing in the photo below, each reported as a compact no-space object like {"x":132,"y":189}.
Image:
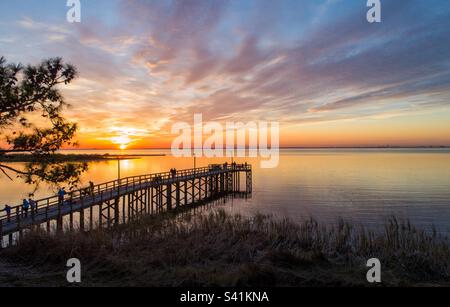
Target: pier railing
{"x":39,"y":211}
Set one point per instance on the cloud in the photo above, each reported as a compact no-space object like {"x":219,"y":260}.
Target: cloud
{"x":294,"y":61}
{"x":30,"y":24}
{"x":397,"y":60}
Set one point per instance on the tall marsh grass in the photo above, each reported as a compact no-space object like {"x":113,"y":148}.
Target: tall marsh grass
{"x":219,"y":249}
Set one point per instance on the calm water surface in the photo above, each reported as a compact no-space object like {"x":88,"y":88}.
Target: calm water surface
{"x":365,"y":186}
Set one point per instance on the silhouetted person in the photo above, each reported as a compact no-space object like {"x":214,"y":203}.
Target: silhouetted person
{"x":8,"y":212}
{"x":91,"y":188}
{"x":33,"y":204}
{"x":25,"y":207}
{"x":61,"y":194}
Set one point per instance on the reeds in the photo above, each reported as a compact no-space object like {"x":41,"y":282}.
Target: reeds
{"x":228,"y":250}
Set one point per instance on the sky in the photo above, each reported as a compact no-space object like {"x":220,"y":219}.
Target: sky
{"x":317,"y":67}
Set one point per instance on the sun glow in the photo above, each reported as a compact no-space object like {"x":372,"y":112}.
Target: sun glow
{"x":123,"y":137}
{"x":123,"y":141}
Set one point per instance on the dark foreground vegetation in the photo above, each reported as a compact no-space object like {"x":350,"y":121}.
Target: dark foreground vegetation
{"x":218,"y":249}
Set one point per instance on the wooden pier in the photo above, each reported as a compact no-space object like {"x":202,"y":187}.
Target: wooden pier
{"x":119,"y":201}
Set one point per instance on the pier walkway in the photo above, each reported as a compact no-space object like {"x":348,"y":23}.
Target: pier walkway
{"x":120,"y":200}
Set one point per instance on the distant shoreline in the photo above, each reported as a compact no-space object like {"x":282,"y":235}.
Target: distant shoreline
{"x":69,"y":157}
{"x":323,"y":147}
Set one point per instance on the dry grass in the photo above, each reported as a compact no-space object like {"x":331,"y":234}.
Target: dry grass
{"x":218,"y":249}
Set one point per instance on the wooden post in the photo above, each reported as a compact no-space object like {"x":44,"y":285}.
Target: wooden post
{"x":133,"y":200}
{"x":230,"y":182}
{"x":100,"y":215}
{"x":81,"y":226}
{"x":177,"y":194}
{"x":18,"y":222}
{"x":137,"y":203}
{"x":59,"y":220}
{"x":71,"y":216}
{"x":185,"y":193}
{"x":32,"y":215}
{"x":151,"y":200}
{"x":134,"y":204}
{"x":148,"y":201}
{"x":82,"y":218}
{"x":91,"y":217}
{"x":205,"y":187}
{"x":129,"y":207}
{"x":251,"y":181}
{"x":1,"y":234}
{"x":248,"y":182}
{"x":160,"y":199}
{"x":217,"y":184}
{"x":155,"y":200}
{"x":108,"y":208}
{"x":239,"y":182}
{"x":200,"y":189}
{"x":117,"y":210}
{"x":193,"y":191}
{"x":123,"y":209}
{"x":169,"y":196}
{"x":48,"y":220}
{"x":143,"y":201}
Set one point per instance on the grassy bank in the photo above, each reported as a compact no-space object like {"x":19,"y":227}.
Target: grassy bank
{"x":218,"y":249}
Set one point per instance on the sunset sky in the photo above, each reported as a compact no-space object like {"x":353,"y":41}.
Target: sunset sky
{"x":316,"y":66}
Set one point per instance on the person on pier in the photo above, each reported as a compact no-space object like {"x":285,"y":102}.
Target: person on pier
{"x":25,"y":207}
{"x":91,"y":188}
{"x":33,"y":204}
{"x":8,"y":212}
{"x":61,"y":194}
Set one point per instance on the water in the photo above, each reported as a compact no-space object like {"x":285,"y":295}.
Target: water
{"x":362,"y":185}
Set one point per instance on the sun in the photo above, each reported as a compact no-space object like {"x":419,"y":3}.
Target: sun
{"x":123,"y":141}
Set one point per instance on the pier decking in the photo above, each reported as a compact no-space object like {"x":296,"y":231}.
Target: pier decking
{"x":121,"y":200}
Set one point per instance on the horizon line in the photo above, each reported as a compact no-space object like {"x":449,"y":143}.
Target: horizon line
{"x":283,"y":147}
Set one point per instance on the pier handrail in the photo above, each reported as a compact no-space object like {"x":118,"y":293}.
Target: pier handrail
{"x":106,"y":190}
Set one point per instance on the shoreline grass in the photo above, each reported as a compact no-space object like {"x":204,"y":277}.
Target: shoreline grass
{"x":219,"y":249}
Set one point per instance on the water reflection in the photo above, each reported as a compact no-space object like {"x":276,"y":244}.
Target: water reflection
{"x":366,"y":186}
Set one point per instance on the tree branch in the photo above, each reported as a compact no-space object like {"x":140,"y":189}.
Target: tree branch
{"x":6,"y":174}
{"x":3,"y":166}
